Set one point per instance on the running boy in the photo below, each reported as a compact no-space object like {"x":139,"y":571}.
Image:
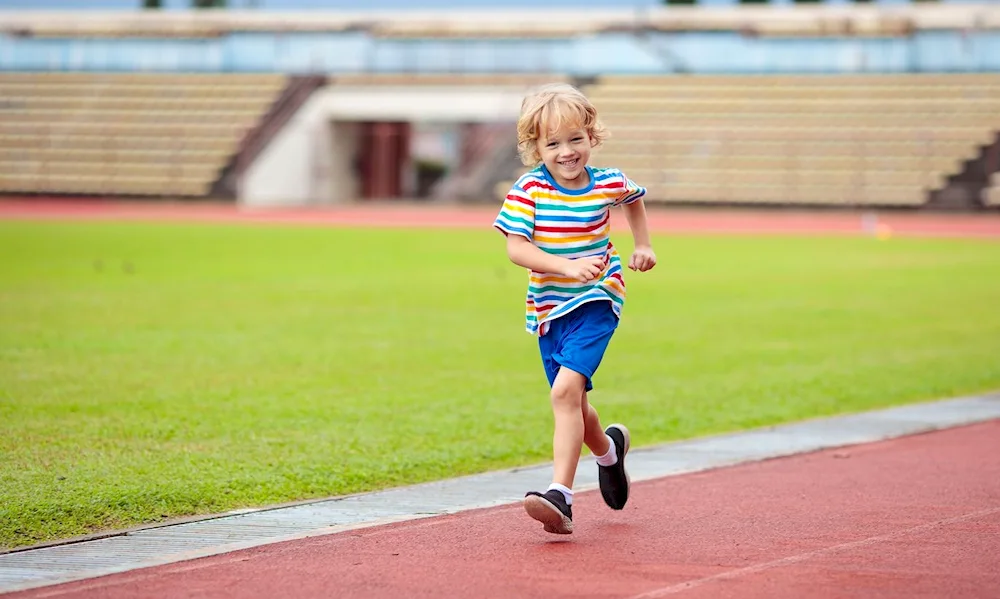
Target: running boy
{"x":556,"y":219}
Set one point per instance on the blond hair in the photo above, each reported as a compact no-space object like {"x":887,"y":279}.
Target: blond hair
{"x":553,"y":106}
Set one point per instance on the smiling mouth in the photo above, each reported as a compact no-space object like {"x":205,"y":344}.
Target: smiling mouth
{"x":569,"y":163}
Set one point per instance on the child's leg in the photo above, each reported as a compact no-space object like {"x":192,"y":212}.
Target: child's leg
{"x":571,"y":352}
{"x":554,"y":508}
{"x":570,"y":429}
{"x":610,"y":459}
{"x":566,"y":447}
{"x":593,"y":433}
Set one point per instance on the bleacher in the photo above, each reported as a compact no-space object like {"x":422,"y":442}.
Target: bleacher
{"x":847,"y":140}
{"x":128,"y":134}
{"x":753,"y":136}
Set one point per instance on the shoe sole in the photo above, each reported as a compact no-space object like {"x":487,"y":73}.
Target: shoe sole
{"x":628,"y":442}
{"x":548,"y":514}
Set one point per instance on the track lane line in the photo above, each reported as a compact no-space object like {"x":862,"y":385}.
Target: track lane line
{"x":801,"y":557}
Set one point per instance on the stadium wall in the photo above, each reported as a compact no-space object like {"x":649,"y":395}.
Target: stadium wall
{"x":310,"y":160}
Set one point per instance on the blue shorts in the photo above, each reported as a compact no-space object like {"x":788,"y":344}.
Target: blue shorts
{"x":578,"y":340}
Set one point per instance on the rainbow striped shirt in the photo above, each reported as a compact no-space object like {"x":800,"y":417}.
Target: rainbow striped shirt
{"x":572,"y":223}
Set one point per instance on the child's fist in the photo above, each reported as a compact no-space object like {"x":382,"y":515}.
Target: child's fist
{"x":642,"y":259}
{"x":584,"y":269}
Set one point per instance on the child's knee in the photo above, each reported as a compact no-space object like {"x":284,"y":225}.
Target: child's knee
{"x":567,"y":394}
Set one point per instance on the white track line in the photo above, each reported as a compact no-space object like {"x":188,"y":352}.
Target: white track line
{"x":794,"y":559}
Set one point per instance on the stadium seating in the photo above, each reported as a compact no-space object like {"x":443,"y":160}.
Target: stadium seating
{"x":847,"y":140}
{"x":130,"y":134}
{"x":518,"y":80}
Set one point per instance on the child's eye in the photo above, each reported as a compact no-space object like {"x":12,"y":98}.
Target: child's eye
{"x":577,"y":139}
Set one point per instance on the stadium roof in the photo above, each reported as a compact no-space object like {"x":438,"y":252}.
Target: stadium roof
{"x":323,"y":4}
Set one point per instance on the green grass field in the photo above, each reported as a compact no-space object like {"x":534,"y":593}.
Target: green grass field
{"x":152,"y":371}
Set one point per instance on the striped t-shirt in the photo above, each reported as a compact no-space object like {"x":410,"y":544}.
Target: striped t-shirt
{"x":572,"y":223}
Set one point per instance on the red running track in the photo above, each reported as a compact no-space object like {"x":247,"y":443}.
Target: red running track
{"x":661,"y":219}
{"x":910,"y":518}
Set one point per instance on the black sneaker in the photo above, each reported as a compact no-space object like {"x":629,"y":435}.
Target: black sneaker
{"x":550,"y":509}
{"x":614,"y":479}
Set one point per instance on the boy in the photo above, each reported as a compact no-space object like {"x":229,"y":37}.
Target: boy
{"x":556,"y":219}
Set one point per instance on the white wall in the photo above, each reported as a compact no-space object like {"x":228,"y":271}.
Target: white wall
{"x":289,"y":170}
{"x":344,"y":184}
{"x":308,"y":161}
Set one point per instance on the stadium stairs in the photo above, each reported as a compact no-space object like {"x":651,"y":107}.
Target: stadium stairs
{"x":138,"y":135}
{"x":976,"y":183}
{"x":490,"y":160}
{"x":293,"y":96}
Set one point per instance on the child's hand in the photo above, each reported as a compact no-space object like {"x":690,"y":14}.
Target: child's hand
{"x":584,"y":269}
{"x":642,"y":258}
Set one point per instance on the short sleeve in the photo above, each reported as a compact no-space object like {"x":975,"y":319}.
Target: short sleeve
{"x":630,"y":191}
{"x":517,"y":215}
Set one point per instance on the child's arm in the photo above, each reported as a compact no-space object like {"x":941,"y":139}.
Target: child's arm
{"x":643,"y":258}
{"x":524,"y":253}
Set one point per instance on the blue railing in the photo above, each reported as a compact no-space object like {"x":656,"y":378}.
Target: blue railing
{"x":354,"y":52}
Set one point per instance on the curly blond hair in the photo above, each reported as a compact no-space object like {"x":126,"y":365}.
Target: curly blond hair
{"x":547,"y":109}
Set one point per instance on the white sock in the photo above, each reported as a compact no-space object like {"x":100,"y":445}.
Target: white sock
{"x":566,"y":491}
{"x":610,"y":458}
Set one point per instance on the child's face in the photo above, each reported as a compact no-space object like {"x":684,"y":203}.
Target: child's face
{"x":565,"y":153}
